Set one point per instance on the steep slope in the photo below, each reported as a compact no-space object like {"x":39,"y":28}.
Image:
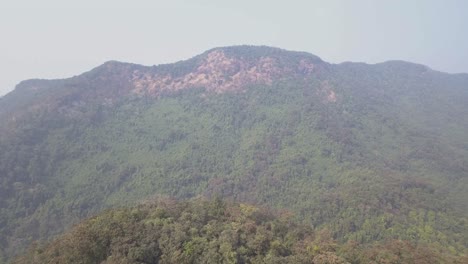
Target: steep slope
{"x":371,"y":152}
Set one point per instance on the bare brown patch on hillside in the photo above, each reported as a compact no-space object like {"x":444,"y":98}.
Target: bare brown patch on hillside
{"x":218,"y":73}
{"x":327,"y":93}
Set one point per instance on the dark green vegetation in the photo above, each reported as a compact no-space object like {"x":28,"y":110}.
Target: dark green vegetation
{"x":211,"y":232}
{"x":369,"y":152}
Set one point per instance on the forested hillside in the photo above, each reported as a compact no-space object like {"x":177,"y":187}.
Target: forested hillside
{"x":167,"y":231}
{"x":368,"y":152}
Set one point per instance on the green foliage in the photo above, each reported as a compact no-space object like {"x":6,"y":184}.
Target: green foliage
{"x":386,"y":160}
{"x":200,"y":231}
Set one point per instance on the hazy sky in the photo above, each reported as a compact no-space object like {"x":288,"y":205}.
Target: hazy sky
{"x":59,"y":38}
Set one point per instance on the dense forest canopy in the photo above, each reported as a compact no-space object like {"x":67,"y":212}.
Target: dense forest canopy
{"x":371,"y":153}
{"x":200,"y":231}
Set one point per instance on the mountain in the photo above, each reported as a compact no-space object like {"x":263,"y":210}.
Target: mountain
{"x":369,"y":152}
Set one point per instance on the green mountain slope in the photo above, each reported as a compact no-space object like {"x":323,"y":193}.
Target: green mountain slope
{"x":370,"y":152}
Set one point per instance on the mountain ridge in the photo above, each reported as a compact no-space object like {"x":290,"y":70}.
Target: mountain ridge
{"x":152,"y":80}
{"x":231,"y":50}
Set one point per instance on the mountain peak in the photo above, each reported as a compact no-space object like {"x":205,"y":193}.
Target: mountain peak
{"x":252,"y":52}
{"x":218,"y":70}
{"x":226,"y":69}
